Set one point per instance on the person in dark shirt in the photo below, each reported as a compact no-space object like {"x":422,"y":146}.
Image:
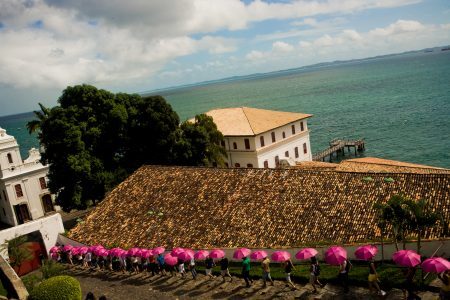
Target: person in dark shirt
{"x":224,"y":269}
{"x":209,"y":264}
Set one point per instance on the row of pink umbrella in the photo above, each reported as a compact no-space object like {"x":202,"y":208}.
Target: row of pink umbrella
{"x":335,"y":255}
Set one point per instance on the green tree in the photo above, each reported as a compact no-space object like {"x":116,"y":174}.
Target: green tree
{"x":41,"y":115}
{"x":200,"y":143}
{"x":419,"y":218}
{"x":394,"y":213}
{"x":93,"y":139}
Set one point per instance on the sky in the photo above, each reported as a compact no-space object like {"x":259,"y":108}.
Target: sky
{"x":139,"y":45}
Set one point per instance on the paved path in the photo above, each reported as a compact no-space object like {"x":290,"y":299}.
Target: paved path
{"x":142,"y":286}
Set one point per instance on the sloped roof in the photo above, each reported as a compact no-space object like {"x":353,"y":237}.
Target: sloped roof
{"x":246,"y":121}
{"x":257,"y":208}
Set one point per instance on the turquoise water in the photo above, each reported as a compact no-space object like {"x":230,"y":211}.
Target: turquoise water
{"x":400,"y":104}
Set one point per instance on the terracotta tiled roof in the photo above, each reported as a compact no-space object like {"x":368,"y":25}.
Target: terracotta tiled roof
{"x":212,"y":207}
{"x":246,"y":121}
{"x":374,"y":164}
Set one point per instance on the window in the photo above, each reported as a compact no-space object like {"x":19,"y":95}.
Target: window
{"x":261,"y":140}
{"x":43,"y":183}
{"x":286,"y":154}
{"x":301,"y":126}
{"x":9,"y":158}
{"x":249,"y":165}
{"x":305,"y":149}
{"x":4,"y":195}
{"x":247,"y":143}
{"x":237,"y":165}
{"x":273,"y":137}
{"x":266,"y":164}
{"x":293,"y":129}
{"x":296,"y":152}
{"x":277,"y":161}
{"x":19,"y":192}
{"x":234,"y":145}
{"x":222,"y":143}
{"x":284,"y":135}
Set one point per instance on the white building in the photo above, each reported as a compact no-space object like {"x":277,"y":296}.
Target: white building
{"x":24,"y":195}
{"x":259,"y":138}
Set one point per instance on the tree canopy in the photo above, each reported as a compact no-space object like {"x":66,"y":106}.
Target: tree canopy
{"x":93,"y":139}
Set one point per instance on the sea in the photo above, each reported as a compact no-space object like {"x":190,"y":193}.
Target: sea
{"x":400,"y":103}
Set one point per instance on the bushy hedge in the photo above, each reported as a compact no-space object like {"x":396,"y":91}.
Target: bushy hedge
{"x":57,"y":288}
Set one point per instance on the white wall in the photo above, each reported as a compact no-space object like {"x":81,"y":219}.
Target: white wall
{"x":256,"y":155}
{"x":50,"y":227}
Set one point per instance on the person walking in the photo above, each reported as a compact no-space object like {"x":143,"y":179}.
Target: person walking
{"x":265,"y":265}
{"x":161,"y":263}
{"x":409,"y":285}
{"x":344,"y":269}
{"x":288,"y":267}
{"x":444,"y":293}
{"x":246,"y":271}
{"x":224,"y":269}
{"x":314,"y":272}
{"x":209,"y":264}
{"x":373,"y":279}
{"x":192,"y":268}
{"x":181,"y":268}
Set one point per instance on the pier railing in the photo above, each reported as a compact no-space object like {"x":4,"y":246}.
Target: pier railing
{"x":338,"y":145}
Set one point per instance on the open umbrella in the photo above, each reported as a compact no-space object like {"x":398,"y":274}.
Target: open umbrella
{"x":102,"y":252}
{"x":54,"y":255}
{"x":54,"y":249}
{"x":406,"y":258}
{"x":116,"y":252}
{"x":241,"y":253}
{"x":335,"y":255}
{"x":216,"y":254}
{"x":306,"y":253}
{"x":176,"y":251}
{"x":201,"y":255}
{"x":158,"y":250}
{"x":366,"y":252}
{"x":186,"y":255}
{"x":134,"y":252}
{"x":170,"y":259}
{"x":146,"y":253}
{"x":280,"y":256}
{"x":258,"y":255}
{"x":75,"y":250}
{"x":83,"y":250}
{"x":435,"y":265}
{"x":67,"y":247}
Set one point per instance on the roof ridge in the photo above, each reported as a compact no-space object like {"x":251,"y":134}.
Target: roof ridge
{"x":249,"y":123}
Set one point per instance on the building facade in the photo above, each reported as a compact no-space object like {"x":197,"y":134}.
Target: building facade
{"x":24,"y":195}
{"x":259,"y":138}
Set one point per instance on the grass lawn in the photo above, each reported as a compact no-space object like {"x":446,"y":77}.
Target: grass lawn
{"x":391,"y":276}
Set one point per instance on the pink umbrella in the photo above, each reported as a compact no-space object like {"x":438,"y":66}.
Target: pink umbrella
{"x":170,"y":260}
{"x":186,"y":256}
{"x":335,"y":255}
{"x":115,"y":252}
{"x":54,"y":255}
{"x":83,"y":250}
{"x":435,"y":265}
{"x":134,"y":252}
{"x":146,"y":253}
{"x":201,"y":255}
{"x":54,"y":249}
{"x":216,"y":254}
{"x":75,"y":250}
{"x":103,"y":252}
{"x":366,"y":252}
{"x":258,"y":255}
{"x":241,"y":253}
{"x":176,"y":251}
{"x":406,"y":258}
{"x":306,"y":253}
{"x":280,"y":256}
{"x":158,"y":250}
{"x":67,"y":247}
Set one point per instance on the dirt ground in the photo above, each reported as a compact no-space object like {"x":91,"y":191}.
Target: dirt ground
{"x":117,"y":286}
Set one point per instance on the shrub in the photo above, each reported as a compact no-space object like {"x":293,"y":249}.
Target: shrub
{"x":57,"y":288}
{"x":50,"y":268}
{"x":30,"y":281}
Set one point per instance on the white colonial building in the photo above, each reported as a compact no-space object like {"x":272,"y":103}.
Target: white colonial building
{"x":24,"y":195}
{"x":259,"y":138}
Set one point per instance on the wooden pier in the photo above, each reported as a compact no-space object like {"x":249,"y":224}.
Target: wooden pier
{"x":338,"y":146}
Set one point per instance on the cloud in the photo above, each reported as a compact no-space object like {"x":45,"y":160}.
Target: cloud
{"x":282,"y":47}
{"x":255,"y":55}
{"x":399,"y":27}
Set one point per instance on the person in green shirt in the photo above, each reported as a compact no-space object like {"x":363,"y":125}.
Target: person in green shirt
{"x":246,"y":271}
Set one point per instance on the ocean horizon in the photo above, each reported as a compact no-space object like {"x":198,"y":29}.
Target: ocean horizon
{"x":399,"y":103}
